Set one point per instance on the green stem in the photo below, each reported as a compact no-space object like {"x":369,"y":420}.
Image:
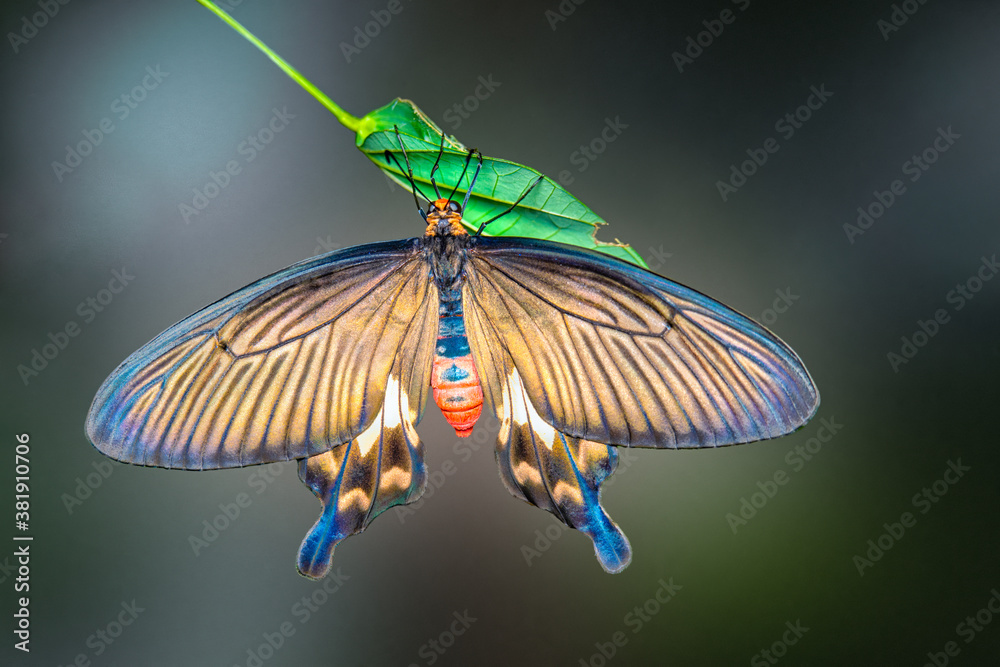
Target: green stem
{"x":346,"y":119}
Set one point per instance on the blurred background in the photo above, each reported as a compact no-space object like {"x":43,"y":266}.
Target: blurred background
{"x":117,"y":113}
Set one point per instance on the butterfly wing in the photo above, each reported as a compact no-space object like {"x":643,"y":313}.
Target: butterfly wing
{"x":577,"y":351}
{"x":357,"y":481}
{"x":610,"y":352}
{"x":545,"y":467}
{"x":289,"y":367}
{"x":327,"y":361}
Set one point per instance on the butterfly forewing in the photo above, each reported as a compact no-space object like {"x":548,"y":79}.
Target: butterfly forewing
{"x":288,"y":367}
{"x":612,"y":353}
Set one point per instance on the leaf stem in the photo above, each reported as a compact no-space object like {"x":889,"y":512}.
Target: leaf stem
{"x":346,"y":119}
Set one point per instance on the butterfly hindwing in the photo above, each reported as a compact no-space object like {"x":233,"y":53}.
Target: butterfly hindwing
{"x":359,"y":480}
{"x":287,"y":367}
{"x":613,"y":353}
{"x":559,"y":473}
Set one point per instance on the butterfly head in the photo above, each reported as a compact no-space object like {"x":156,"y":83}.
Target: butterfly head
{"x":444,"y":218}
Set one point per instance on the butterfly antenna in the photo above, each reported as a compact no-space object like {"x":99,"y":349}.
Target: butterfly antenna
{"x":435,"y":167}
{"x":512,"y":206}
{"x":409,"y":172}
{"x":465,"y":169}
{"x":475,"y":175}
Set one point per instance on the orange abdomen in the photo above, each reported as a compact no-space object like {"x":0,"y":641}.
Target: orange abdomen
{"x":457,"y":392}
{"x":453,"y":376}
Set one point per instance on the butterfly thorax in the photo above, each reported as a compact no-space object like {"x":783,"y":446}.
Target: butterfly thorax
{"x":445,"y":242}
{"x":446,"y":256}
{"x":454,"y":378}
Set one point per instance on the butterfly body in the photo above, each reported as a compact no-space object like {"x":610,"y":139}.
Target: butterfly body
{"x":331,"y":361}
{"x":454,"y":379}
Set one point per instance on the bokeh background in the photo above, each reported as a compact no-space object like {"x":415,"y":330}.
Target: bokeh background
{"x":112,"y":535}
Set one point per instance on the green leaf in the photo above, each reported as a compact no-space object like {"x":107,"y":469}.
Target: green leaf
{"x":549,"y":211}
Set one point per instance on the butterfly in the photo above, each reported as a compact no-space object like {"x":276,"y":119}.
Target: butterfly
{"x":332,"y":361}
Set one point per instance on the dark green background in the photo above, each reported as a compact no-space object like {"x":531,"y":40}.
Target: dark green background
{"x":656,"y":185}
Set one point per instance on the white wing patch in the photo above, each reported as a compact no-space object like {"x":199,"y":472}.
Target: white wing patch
{"x":557,"y":472}
{"x":367,"y":438}
{"x":518,"y":408}
{"x":395,"y":412}
{"x":381,"y":467}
